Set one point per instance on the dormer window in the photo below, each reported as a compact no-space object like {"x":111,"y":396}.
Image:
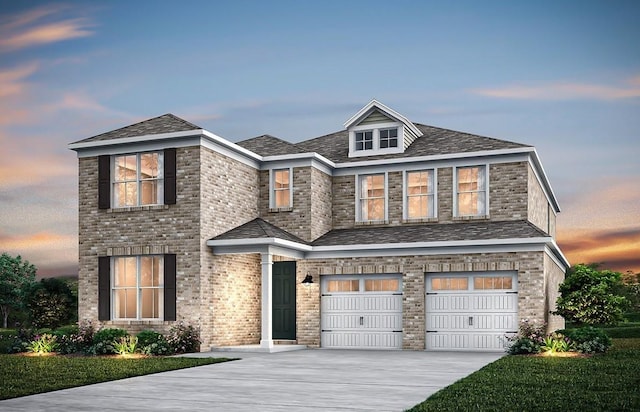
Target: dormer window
{"x":388,"y":138}
{"x":364,"y":140}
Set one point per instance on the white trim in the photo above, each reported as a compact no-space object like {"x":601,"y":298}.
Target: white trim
{"x":486,"y":190}
{"x":358,"y":213}
{"x":534,"y":160}
{"x":556,"y":252}
{"x":272,"y":198}
{"x":405,"y":186}
{"x":375,"y":130}
{"x":389,"y":112}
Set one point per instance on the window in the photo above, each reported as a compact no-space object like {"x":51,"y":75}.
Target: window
{"x":364,"y":140}
{"x":450,"y":283}
{"x":491,"y":283}
{"x":137,"y":287}
{"x":471,"y":196}
{"x":372,"y":198}
{"x":138,"y":179}
{"x":382,"y":285}
{"x":420,"y":200}
{"x":349,"y":285}
{"x":388,"y":138}
{"x":281,"y":189}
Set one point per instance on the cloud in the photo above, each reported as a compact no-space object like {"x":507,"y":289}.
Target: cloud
{"x":617,"y":249}
{"x":51,"y":253}
{"x":565,"y":91}
{"x":12,"y":81}
{"x":29,"y":28}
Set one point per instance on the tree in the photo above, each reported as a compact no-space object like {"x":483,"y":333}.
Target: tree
{"x":16,"y":279}
{"x":589,"y":296}
{"x":51,"y":303}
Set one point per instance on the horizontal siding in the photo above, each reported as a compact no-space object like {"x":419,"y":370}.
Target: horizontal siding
{"x":375,"y":117}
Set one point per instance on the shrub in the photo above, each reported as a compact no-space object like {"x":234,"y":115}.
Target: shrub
{"x":103,"y":341}
{"x":45,"y":343}
{"x":556,"y":342}
{"x":183,"y":338}
{"x":529,"y":339}
{"x":125,"y":345}
{"x":153,"y":343}
{"x":589,"y":339}
{"x":74,"y":339}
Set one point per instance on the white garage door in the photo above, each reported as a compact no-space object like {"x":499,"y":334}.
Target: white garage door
{"x":471,"y":312}
{"x":361,"y":312}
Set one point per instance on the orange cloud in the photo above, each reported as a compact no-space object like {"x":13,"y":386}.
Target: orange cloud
{"x":616,"y":249}
{"x":12,"y":81}
{"x":36,"y":240}
{"x":565,"y":91}
{"x":27,"y":29}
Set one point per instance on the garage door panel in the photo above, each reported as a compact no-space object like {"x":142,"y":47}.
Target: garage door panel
{"x":361,"y":317}
{"x":470,"y":319}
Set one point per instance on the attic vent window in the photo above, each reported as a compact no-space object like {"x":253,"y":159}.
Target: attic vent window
{"x":364,"y":140}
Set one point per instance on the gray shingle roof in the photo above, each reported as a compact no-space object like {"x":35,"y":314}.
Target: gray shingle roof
{"x":267,"y":145}
{"x":167,"y":123}
{"x":435,"y":141}
{"x":258,"y":229}
{"x":443,"y":232}
{"x":369,"y":235}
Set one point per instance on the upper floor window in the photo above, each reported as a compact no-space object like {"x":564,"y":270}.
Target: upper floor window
{"x":281,"y":183}
{"x":471,"y":191}
{"x":137,"y":287}
{"x":388,"y":138}
{"x":420,"y":194}
{"x":138,"y":179}
{"x":375,"y":139}
{"x":371,"y":198}
{"x":364,"y":140}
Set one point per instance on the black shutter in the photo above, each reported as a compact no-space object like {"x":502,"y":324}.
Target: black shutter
{"x":104,"y":288}
{"x":169,"y":287}
{"x":169,"y":176}
{"x":104,"y":182}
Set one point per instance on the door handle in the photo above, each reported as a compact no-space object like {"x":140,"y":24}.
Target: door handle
{"x":470,"y":320}
{"x":361,"y":320}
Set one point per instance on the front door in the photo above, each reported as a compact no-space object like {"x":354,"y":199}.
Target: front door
{"x":284,"y":300}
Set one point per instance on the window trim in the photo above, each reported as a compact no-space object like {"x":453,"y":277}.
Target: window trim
{"x":272,"y":189}
{"x":160,"y":200}
{"x":375,"y":128}
{"x":138,"y":288}
{"x":456,"y":213}
{"x":405,"y":194}
{"x":359,"y":218}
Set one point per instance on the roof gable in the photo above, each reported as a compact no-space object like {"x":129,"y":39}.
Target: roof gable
{"x":376,"y":108}
{"x":167,"y":123}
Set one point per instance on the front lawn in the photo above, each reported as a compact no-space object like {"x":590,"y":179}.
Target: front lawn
{"x":524,"y":383}
{"x":28,"y":375}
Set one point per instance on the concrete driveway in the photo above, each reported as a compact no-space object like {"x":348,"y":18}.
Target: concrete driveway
{"x":306,"y":380}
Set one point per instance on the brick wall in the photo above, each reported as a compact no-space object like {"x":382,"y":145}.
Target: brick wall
{"x":344,"y":201}
{"x":508,"y":191}
{"x":538,"y":207}
{"x":321,"y":200}
{"x":554,"y":277}
{"x":532,"y":302}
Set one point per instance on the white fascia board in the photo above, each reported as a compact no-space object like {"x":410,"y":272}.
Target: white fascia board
{"x":437,"y":161}
{"x":385,"y":109}
{"x":544,"y":180}
{"x":556,"y":252}
{"x":271,"y":241}
{"x":226,"y":143}
{"x":298,"y":160}
{"x":139,"y":147}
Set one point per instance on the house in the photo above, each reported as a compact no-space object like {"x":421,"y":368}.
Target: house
{"x":387,"y":234}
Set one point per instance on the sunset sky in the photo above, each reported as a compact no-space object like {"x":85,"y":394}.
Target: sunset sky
{"x":563,"y":76}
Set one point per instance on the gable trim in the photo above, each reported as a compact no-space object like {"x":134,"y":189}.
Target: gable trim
{"x":387,"y":111}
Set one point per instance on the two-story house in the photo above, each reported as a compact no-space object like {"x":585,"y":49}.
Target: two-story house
{"x":387,"y":234}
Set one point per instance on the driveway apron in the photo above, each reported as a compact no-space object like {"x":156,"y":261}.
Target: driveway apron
{"x":306,"y":380}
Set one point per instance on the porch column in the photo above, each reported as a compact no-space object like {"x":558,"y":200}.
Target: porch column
{"x":267,"y":315}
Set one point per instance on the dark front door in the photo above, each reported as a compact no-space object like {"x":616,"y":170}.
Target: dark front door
{"x":284,"y":300}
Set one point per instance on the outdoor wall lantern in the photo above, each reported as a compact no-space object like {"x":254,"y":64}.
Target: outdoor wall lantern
{"x":307,"y":280}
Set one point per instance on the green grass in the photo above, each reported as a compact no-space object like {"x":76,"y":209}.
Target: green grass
{"x":28,"y":375}
{"x":518,"y":383}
